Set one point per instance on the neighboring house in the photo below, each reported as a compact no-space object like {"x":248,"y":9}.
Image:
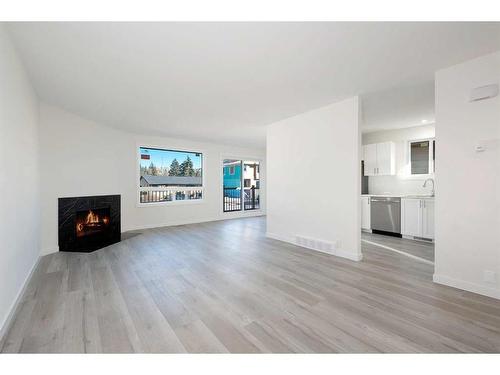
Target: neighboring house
{"x":232,"y":176}
{"x":251,"y":175}
{"x":149,"y":180}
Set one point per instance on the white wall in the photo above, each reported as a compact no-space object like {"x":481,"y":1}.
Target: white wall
{"x":403,"y":182}
{"x":19,"y":178}
{"x":313,"y":177}
{"x":80,"y":157}
{"x":468,"y":194}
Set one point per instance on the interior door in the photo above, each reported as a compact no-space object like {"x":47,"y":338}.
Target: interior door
{"x":370,"y":158}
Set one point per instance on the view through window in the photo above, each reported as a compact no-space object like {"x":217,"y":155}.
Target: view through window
{"x":169,"y":175}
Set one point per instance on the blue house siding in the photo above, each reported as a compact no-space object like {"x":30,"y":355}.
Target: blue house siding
{"x":232,"y":180}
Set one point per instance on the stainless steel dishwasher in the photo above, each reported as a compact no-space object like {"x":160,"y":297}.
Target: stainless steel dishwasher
{"x":386,"y":215}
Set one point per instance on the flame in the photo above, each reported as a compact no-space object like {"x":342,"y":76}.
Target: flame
{"x":92,"y":218}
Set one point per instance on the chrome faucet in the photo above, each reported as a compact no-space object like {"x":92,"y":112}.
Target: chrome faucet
{"x":425,"y":184}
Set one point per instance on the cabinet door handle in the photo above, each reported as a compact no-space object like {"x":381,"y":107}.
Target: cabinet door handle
{"x":424,"y":203}
{"x":420,"y":204}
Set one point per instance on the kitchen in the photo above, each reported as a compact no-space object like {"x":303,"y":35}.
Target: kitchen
{"x":397,"y":173}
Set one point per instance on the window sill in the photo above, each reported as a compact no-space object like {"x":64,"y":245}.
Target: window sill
{"x":171,"y":203}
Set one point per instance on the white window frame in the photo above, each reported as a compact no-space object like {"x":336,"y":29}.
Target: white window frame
{"x":431,"y":160}
{"x":262,"y":182}
{"x":173,"y":202}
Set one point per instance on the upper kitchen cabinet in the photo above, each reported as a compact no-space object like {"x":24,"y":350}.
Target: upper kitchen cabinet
{"x":370,"y":158}
{"x":379,"y":159}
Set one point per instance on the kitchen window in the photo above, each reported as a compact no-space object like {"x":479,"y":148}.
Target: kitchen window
{"x":422,"y":157}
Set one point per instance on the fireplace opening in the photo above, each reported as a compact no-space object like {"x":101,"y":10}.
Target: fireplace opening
{"x":92,"y":222}
{"x":89,"y":223}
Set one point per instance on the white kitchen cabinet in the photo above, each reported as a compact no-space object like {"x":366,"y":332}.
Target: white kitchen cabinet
{"x":411,"y":217}
{"x":428,"y":218}
{"x":386,"y":159}
{"x":370,"y":158}
{"x":417,"y":217}
{"x":365,"y":213}
{"x":379,"y":159}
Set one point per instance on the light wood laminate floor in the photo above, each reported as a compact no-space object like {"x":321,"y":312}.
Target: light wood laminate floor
{"x":421,"y":249}
{"x":224,"y":287}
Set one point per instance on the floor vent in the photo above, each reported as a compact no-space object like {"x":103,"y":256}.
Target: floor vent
{"x":314,"y":244}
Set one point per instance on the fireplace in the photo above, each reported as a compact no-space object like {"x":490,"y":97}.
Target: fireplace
{"x":89,"y":223}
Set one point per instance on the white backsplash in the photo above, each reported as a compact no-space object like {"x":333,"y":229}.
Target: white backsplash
{"x":394,"y":185}
{"x":402,"y":183}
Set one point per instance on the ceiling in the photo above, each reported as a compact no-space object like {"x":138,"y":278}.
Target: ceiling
{"x":224,"y":82}
{"x":399,"y":107}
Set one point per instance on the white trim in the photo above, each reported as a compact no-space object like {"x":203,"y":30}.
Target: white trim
{"x":399,"y":252}
{"x":340,"y":253}
{"x":4,"y":328}
{"x":280,"y":237}
{"x":467,"y":286}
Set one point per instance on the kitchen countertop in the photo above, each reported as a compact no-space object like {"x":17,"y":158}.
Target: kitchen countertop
{"x":416,"y":196}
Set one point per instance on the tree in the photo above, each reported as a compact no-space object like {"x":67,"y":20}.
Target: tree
{"x":153,"y":170}
{"x":175,"y":169}
{"x":187,"y":167}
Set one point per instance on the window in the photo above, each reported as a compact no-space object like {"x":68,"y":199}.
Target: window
{"x":169,"y":175}
{"x":422,"y":156}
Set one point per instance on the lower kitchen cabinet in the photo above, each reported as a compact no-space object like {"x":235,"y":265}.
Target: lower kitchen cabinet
{"x":428,"y":218}
{"x":417,"y":218}
{"x":365,"y":213}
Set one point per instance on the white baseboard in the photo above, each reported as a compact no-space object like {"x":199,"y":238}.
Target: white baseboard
{"x":340,"y":253}
{"x":466,"y":285}
{"x":279,"y":237}
{"x":4,"y":328}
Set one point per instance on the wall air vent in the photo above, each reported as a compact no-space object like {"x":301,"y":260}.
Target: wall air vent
{"x":314,"y":244}
{"x":484,"y":92}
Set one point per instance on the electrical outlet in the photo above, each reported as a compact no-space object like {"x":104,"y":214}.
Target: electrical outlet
{"x":489,"y":276}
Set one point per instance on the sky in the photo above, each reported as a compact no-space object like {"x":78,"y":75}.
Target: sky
{"x":163,"y":158}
